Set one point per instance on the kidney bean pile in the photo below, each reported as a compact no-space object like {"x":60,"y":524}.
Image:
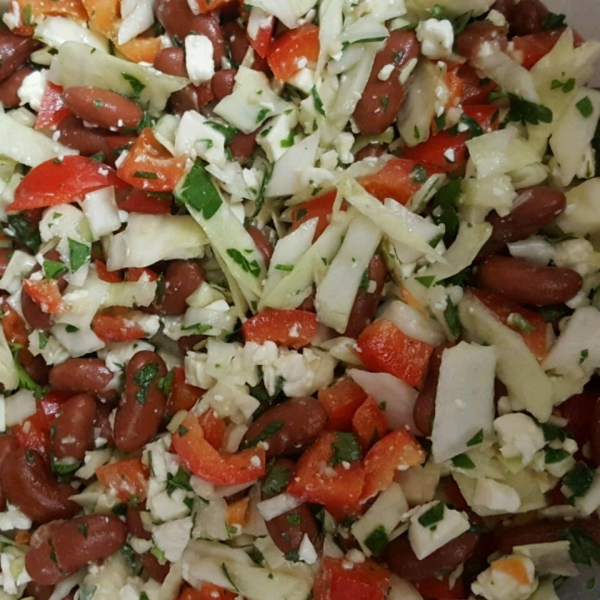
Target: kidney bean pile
{"x":201,"y":399}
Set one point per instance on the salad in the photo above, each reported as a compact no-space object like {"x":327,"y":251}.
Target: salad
{"x":299,"y":299}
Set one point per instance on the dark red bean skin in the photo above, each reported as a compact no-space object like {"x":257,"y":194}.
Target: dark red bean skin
{"x":370,"y":151}
{"x":366,"y":303}
{"x":288,"y":530}
{"x":262,"y":243}
{"x":102,"y":107}
{"x":74,"y":134}
{"x":135,"y":525}
{"x":527,"y":17}
{"x":242,"y":146}
{"x":38,"y":592}
{"x":8,"y":443}
{"x":5,"y":254}
{"x":73,"y":428}
{"x":33,"y":314}
{"x":150,"y":563}
{"x":373,"y":115}
{"x":470,"y":40}
{"x":28,"y":483}
{"x":34,"y":366}
{"x":42,"y":566}
{"x":189,"y":343}
{"x":238,"y":43}
{"x":171,"y":61}
{"x":10,"y":86}
{"x":595,"y":437}
{"x":424,"y":409}
{"x":222,"y":83}
{"x":403,"y":562}
{"x":542,"y":532}
{"x":95,"y":537}
{"x":182,"y":279}
{"x":300,"y":419}
{"x":14,"y":51}
{"x":527,"y":283}
{"x":137,"y":422}
{"x":536,"y":207}
{"x":102,"y":423}
{"x":81,"y":375}
{"x":505,"y":7}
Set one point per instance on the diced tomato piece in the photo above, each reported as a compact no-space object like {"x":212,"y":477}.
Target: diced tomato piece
{"x":320,"y":208}
{"x":474,"y":89}
{"x":113,"y":325}
{"x":369,"y":423}
{"x":31,"y":435}
{"x":454,"y":84}
{"x":213,"y":427}
{"x":14,"y":327}
{"x":48,"y":406}
{"x":315,"y":480}
{"x":52,"y":109}
{"x":382,"y":347}
{"x":126,"y":479}
{"x":536,"y":339}
{"x":136,"y":273}
{"x":261,"y":44}
{"x":486,"y":115}
{"x":293,"y":50}
{"x":105,"y":275}
{"x":364,"y":581}
{"x":532,"y":48}
{"x":440,"y":589}
{"x":210,"y":5}
{"x":207,"y":463}
{"x":45,"y":293}
{"x":237,"y":511}
{"x":62,"y":181}
{"x":397,"y":449}
{"x":149,"y":166}
{"x":38,"y":9}
{"x":292,"y":328}
{"x":183,"y":396}
{"x":341,"y":401}
{"x":147,"y":203}
{"x":208,"y":591}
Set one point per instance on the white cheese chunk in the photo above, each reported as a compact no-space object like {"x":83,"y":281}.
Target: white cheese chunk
{"x":436,"y":37}
{"x":199,"y":58}
{"x":519,"y":436}
{"x":491,"y":495}
{"x":497,"y":582}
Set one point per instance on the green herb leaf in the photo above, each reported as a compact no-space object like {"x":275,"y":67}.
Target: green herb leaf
{"x":519,"y":322}
{"x":377,"y":540}
{"x":284,"y":267}
{"x":452,"y":318}
{"x":552,"y":433}
{"x":469,"y":124}
{"x":21,"y":228}
{"x":463,"y":461}
{"x":79,"y":254}
{"x":251,"y":267}
{"x":294,"y":519}
{"x":345,"y":449}
{"x":54,"y":269}
{"x":524,"y":111}
{"x":181,"y":480}
{"x":566,"y":86}
{"x":476,"y":439}
{"x":71,"y":329}
{"x":584,"y":355}
{"x":164,"y":384}
{"x":426,"y":281}
{"x":145,"y":175}
{"x":42,"y":340}
{"x":445,"y":212}
{"x":263,"y":113}
{"x":554,"y":21}
{"x":63,"y":468}
{"x":144,"y":378}
{"x":583,"y":548}
{"x":227,"y":130}
{"x":276,"y":481}
{"x":579,"y":479}
{"x":271,"y":429}
{"x":137,"y":87}
{"x":585,"y":107}
{"x":317,"y":101}
{"x":433,"y":516}
{"x":555,"y":455}
{"x":419,"y":174}
{"x":199,"y":192}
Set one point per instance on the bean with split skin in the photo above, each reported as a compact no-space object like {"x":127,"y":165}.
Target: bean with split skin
{"x":366,"y":302}
{"x":8,"y":443}
{"x":424,"y":409}
{"x":288,"y":530}
{"x":81,"y":375}
{"x":103,"y":108}
{"x":469,"y":42}
{"x":10,"y":86}
{"x":28,"y":483}
{"x":535,"y":208}
{"x":73,"y":428}
{"x":528,"y":283}
{"x":143,"y":404}
{"x":403,"y":562}
{"x":14,"y":51}
{"x":528,"y":17}
{"x":288,"y":427}
{"x":381,"y":100}
{"x":182,"y":279}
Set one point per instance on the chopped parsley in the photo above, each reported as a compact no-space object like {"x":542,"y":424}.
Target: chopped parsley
{"x":579,"y":479}
{"x":144,"y":379}
{"x":585,"y":107}
{"x":433,"y":516}
{"x":377,"y":540}
{"x":345,"y":449}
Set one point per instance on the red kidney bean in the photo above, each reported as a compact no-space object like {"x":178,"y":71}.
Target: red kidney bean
{"x":536,"y":207}
{"x":469,"y":42}
{"x":73,"y":428}
{"x":171,"y":61}
{"x":288,"y":530}
{"x":28,"y":483}
{"x":237,"y":41}
{"x":5,"y":255}
{"x":242,"y":146}
{"x":184,"y":100}
{"x":39,"y":592}
{"x":222,"y":83}
{"x":402,"y":560}
{"x":10,"y":86}
{"x":8,"y":443}
{"x":102,"y":107}
{"x":42,"y":565}
{"x":33,"y":313}
{"x":365,"y":305}
{"x":381,"y":100}
{"x":370,"y":151}
{"x":143,"y":405}
{"x":134,"y":523}
{"x":102,"y":423}
{"x":154,"y":569}
{"x":182,"y":279}
{"x":74,"y":134}
{"x":527,"y":283}
{"x":295,"y":423}
{"x":595,"y":429}
{"x":262,"y":243}
{"x":95,"y":537}
{"x":81,"y":375}
{"x":34,"y":366}
{"x":542,"y":532}
{"x":505,"y":7}
{"x":189,"y":343}
{"x":14,"y":51}
{"x":528,"y":17}
{"x":424,"y":409}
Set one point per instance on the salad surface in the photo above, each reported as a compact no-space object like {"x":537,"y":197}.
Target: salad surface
{"x":299,"y":299}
